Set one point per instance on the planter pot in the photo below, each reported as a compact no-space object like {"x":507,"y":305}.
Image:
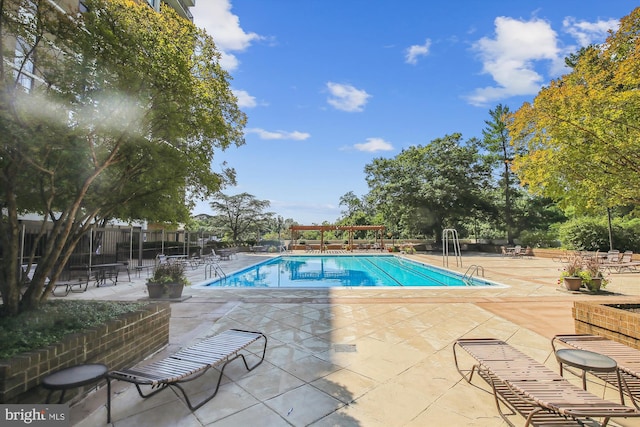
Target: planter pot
{"x":573,"y":283}
{"x":165,"y":290}
{"x":594,"y":285}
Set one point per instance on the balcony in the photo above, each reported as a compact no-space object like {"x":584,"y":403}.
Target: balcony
{"x":182,"y":7}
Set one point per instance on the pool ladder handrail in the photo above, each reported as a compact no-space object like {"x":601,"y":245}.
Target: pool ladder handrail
{"x":450,"y":235}
{"x":213,"y":269}
{"x":473,"y":269}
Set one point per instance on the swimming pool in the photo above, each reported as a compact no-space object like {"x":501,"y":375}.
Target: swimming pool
{"x":310,"y":271}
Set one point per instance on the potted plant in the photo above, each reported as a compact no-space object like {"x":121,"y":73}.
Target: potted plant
{"x":571,"y":273}
{"x":591,"y":274}
{"x":168,"y":281}
{"x":408,"y":249}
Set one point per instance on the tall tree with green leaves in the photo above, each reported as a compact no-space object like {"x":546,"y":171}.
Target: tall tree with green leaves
{"x":580,"y":136}
{"x":425,"y":189}
{"x":500,"y":154}
{"x":241,"y":215}
{"x":115,"y":112}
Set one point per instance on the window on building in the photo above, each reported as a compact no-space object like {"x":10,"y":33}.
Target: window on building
{"x":24,"y":65}
{"x":154,"y":4}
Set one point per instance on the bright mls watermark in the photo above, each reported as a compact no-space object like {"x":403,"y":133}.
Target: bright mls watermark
{"x":40,"y":415}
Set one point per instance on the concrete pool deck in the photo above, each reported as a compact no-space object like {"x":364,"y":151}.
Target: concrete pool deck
{"x":355,"y":357}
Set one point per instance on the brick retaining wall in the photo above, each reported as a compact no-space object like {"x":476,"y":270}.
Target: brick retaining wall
{"x":122,"y":342}
{"x":610,"y":322}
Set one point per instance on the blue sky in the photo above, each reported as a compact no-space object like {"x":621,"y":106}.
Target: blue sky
{"x":329,"y":85}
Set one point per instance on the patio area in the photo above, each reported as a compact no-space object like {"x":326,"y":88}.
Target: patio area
{"x":355,"y":357}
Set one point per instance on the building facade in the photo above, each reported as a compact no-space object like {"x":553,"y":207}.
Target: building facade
{"x":180,"y":6}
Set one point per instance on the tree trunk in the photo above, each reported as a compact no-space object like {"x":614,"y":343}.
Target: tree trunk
{"x":10,"y":230}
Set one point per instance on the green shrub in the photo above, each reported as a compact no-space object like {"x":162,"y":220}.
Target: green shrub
{"x":169,"y":273}
{"x":592,"y":234}
{"x":31,"y":330}
{"x":539,"y":239}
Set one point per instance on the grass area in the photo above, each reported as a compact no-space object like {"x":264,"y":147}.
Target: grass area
{"x":37,"y":329}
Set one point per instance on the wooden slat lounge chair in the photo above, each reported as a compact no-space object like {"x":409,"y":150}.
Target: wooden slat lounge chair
{"x":191,"y":363}
{"x":627,"y":358}
{"x":525,"y":386}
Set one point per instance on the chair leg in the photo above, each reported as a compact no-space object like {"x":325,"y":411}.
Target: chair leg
{"x":154,"y":392}
{"x":108,"y":400}
{"x":217,"y":387}
{"x":215,"y":390}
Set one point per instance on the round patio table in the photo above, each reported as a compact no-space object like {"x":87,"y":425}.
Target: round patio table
{"x":587,"y":361}
{"x":77,"y":376}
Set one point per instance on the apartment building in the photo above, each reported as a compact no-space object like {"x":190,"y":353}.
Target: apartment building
{"x":180,"y":6}
{"x":23,"y":63}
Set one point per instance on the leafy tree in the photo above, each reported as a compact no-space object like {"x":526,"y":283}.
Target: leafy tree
{"x":500,"y":154}
{"x":352,"y":203}
{"x":241,"y":215}
{"x":357,"y":212}
{"x":425,"y":189}
{"x":122,"y":119}
{"x":278,"y":228}
{"x":203,"y":225}
{"x":580,"y":135}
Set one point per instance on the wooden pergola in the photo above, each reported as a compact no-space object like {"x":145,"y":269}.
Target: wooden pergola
{"x":350,"y":228}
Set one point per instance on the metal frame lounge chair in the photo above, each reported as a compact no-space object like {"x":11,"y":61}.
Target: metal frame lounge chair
{"x":191,"y":363}
{"x":625,"y":262}
{"x":627,"y":358}
{"x":66,"y":285}
{"x":525,"y":386}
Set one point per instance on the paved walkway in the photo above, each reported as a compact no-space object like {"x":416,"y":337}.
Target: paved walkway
{"x":355,"y":357}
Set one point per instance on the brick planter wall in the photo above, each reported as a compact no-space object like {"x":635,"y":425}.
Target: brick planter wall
{"x":119,"y":343}
{"x":609,"y":321}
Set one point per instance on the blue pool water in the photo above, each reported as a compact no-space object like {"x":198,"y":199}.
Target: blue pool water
{"x":343,"y":271}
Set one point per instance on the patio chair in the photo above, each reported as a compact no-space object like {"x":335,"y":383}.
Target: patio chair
{"x":525,"y":386}
{"x":563,"y":257}
{"x":613,"y":256}
{"x":61,"y":288}
{"x":526,"y":252}
{"x":195,"y":260}
{"x":191,"y":363}
{"x":625,"y":262}
{"x":627,"y":358}
{"x":212,"y":257}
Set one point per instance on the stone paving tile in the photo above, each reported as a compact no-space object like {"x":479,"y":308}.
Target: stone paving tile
{"x":304,"y":405}
{"x":345,"y":357}
{"x":231,"y":399}
{"x":256,"y":415}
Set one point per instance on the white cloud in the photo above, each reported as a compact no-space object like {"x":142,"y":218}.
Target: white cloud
{"x":509,"y":58}
{"x":216,"y":18}
{"x":413,"y":52}
{"x":587,"y":33}
{"x":373,"y":145}
{"x":346,"y":97}
{"x":279,"y":134}
{"x":244,"y":99}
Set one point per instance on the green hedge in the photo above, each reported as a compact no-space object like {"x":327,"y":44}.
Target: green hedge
{"x":592,"y":234}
